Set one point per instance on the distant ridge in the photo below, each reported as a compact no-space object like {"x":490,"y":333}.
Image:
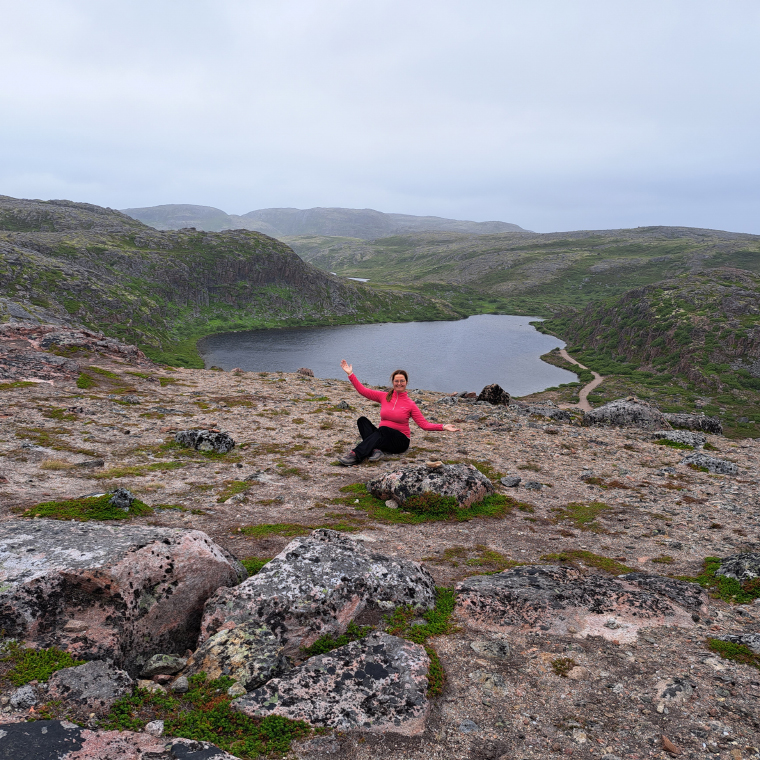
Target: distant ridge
{"x":365,"y":224}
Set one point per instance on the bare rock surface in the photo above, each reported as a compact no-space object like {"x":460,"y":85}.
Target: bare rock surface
{"x":462,"y":481}
{"x":376,"y":684}
{"x":561,"y":600}
{"x":317,"y":585}
{"x":206,"y":440}
{"x":712,"y":464}
{"x":741,"y":567}
{"x":95,"y":685}
{"x":250,"y":653}
{"x":701,"y":422}
{"x":627,"y":412}
{"x":106,"y":592}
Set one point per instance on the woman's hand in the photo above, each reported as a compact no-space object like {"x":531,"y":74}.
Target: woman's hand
{"x":451,"y":428}
{"x":346,"y":367}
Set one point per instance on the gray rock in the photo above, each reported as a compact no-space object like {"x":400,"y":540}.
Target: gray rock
{"x":697,"y":440}
{"x":627,"y":412}
{"x":305,"y":371}
{"x":316,"y":586}
{"x":96,"y":685}
{"x":494,"y":394}
{"x":713,"y":464}
{"x":163,"y":664}
{"x":121,"y":498}
{"x":751,"y":640}
{"x":24,"y":697}
{"x":376,"y":684}
{"x":740,"y":567}
{"x":343,"y":405}
{"x":533,"y":485}
{"x":181,"y":685}
{"x":205,"y":440}
{"x":498,"y":648}
{"x":154,"y":728}
{"x":462,"y":481}
{"x":250,"y":653}
{"x":468,"y":727}
{"x":695,"y":422}
{"x":511,"y":482}
{"x":553,"y":413}
{"x":448,"y":400}
{"x":124,"y":591}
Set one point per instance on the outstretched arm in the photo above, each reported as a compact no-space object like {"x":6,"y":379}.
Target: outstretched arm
{"x":451,"y":428}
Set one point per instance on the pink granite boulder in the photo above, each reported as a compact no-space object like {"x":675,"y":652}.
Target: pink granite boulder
{"x":562,"y":600}
{"x":376,"y":684}
{"x":118,"y":593}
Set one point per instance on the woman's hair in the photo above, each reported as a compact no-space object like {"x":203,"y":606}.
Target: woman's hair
{"x":395,"y":372}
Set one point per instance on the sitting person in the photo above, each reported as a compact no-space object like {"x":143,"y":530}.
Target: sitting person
{"x":392,"y":437}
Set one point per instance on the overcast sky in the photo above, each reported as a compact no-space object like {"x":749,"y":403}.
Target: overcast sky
{"x":552,"y":114}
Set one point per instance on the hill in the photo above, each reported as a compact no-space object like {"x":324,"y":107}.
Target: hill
{"x":79,"y":264}
{"x":530,"y":273}
{"x":363,"y":224}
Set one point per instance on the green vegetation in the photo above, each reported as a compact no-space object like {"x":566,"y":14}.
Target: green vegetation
{"x":728,"y":589}
{"x":85,"y":381}
{"x":736,"y":652}
{"x":486,"y":560}
{"x":582,"y":515}
{"x":598,"y":561}
{"x":254,"y":564}
{"x":89,"y":508}
{"x":563,"y":665}
{"x":34,"y":664}
{"x":136,"y":471}
{"x":276,"y":529}
{"x":673,"y":444}
{"x":232,"y":488}
{"x":16,"y":384}
{"x":204,"y":714}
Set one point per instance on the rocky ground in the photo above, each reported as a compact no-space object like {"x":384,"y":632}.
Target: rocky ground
{"x":599,"y":492}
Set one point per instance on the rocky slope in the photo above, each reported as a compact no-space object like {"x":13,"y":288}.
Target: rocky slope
{"x":78,"y":264}
{"x":280,"y":222}
{"x":594,"y":502}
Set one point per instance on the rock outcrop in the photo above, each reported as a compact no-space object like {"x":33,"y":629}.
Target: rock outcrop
{"x":627,"y":412}
{"x":740,"y":567}
{"x":376,"y":684}
{"x":701,"y":422}
{"x":462,"y":481}
{"x":712,"y":464}
{"x":206,"y":440}
{"x":106,"y":592}
{"x":317,"y":585}
{"x":697,"y":440}
{"x":561,"y":600}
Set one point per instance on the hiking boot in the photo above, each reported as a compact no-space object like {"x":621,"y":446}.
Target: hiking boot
{"x":348,"y":459}
{"x":375,"y":456}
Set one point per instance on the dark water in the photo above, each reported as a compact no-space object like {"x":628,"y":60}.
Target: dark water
{"x":439,"y":356}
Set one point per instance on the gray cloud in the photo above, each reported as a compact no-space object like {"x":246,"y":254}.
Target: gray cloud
{"x":550,"y":114}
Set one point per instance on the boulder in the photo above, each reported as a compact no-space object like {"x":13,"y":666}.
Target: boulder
{"x":627,"y":412}
{"x":206,"y":440}
{"x":462,"y":481}
{"x":561,"y":600}
{"x":250,"y":653}
{"x":697,"y":440}
{"x":122,"y":498}
{"x":101,"y":591}
{"x":712,"y":464}
{"x":317,"y":585}
{"x":376,"y":684}
{"x":95,"y":685}
{"x":695,"y":422}
{"x":511,"y":482}
{"x":305,"y":371}
{"x":24,"y":697}
{"x":494,"y":394}
{"x":740,"y":567}
{"x":163,"y":665}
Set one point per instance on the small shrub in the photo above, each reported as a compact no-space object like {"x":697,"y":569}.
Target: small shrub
{"x":663,"y":559}
{"x":736,"y":652}
{"x":35,"y":664}
{"x":563,"y":665}
{"x":582,"y":515}
{"x":728,"y":589}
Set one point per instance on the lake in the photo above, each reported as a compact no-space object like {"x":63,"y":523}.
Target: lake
{"x":440,"y":356}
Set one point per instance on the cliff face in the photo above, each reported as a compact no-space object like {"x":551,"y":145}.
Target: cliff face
{"x":703,"y":326}
{"x":78,"y":264}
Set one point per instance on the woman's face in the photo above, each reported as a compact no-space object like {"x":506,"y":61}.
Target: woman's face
{"x":399,"y":383}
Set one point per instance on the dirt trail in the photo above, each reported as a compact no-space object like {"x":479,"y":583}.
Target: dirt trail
{"x":583,"y":393}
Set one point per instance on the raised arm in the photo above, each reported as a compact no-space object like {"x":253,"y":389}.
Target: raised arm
{"x":366,"y":392}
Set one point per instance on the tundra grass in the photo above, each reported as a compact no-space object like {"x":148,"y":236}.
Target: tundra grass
{"x":35,"y":664}
{"x":582,"y":515}
{"x":736,"y":652}
{"x":204,"y":714}
{"x":481,"y":558}
{"x":598,"y":561}
{"x":85,"y":509}
{"x":16,"y":384}
{"x":254,"y":564}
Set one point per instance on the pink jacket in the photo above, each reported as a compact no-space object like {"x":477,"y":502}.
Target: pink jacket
{"x":396,"y":412}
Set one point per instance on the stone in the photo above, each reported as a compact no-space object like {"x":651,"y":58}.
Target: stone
{"x":750,"y":640}
{"x":375,"y":684}
{"x":91,"y":464}
{"x":628,"y":412}
{"x":494,"y":394}
{"x":154,"y":728}
{"x":138,"y":589}
{"x":740,"y":567}
{"x":713,"y":464}
{"x":305,"y":371}
{"x":236,"y":690}
{"x":95,"y":685}
{"x":711,"y":425}
{"x":578,"y":673}
{"x":553,"y":413}
{"x":511,"y":482}
{"x":391,"y":504}
{"x":343,"y":405}
{"x":24,"y":697}
{"x":496,"y":648}
{"x":697,"y":440}
{"x":121,"y":498}
{"x":181,"y":685}
{"x":206,"y":440}
{"x":533,"y":485}
{"x":317,"y":585}
{"x":163,"y":664}
{"x":674,"y":690}
{"x":557,"y":599}
{"x":462,"y":481}
{"x":250,"y":653}
{"x":468,"y":727}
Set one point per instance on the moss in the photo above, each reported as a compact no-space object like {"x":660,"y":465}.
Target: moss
{"x":136,"y":471}
{"x":232,"y":488}
{"x":563,"y":665}
{"x":85,"y":381}
{"x":89,"y":508}
{"x":164,"y":381}
{"x":673,"y":444}
{"x":663,"y":559}
{"x":103,"y":372}
{"x":598,"y":561}
{"x":254,"y":564}
{"x":736,"y":652}
{"x":16,"y":384}
{"x":582,"y":515}
{"x":35,"y":664}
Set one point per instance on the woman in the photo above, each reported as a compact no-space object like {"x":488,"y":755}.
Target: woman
{"x":392,"y":437}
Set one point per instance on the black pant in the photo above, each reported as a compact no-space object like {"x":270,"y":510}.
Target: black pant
{"x":384,"y":438}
